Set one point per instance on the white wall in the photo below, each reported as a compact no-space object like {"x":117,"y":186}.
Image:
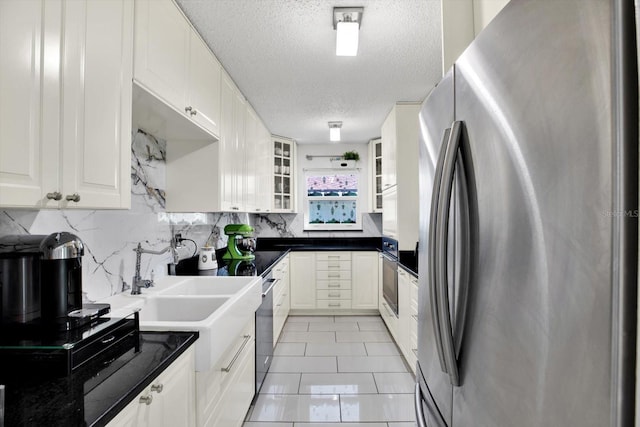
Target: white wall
{"x":462,"y":21}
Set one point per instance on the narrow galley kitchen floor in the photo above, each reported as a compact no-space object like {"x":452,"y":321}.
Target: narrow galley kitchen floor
{"x":335,"y":371}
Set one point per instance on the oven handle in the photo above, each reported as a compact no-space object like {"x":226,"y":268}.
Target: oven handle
{"x":390,"y":259}
{"x":273,"y":283}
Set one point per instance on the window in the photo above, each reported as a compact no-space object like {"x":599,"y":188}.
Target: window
{"x":332,"y":201}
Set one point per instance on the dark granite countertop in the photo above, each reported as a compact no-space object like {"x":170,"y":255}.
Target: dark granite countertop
{"x":409,"y":261}
{"x":95,"y":393}
{"x":319,"y":243}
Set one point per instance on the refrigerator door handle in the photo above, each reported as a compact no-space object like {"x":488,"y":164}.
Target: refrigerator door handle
{"x":442,"y":231}
{"x":431,"y":250}
{"x":420,"y":418}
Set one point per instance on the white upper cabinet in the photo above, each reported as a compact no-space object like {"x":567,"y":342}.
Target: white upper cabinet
{"x":178,"y":78}
{"x":389,"y":141}
{"x":65,"y":113}
{"x":162,"y":50}
{"x":204,"y":86}
{"x":22,"y":144}
{"x":96,"y":132}
{"x":400,"y":134}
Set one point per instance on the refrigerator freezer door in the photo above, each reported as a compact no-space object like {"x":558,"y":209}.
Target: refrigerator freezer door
{"x":436,"y":116}
{"x":534,"y":93}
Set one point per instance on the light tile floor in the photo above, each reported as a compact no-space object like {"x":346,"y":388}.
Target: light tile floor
{"x":330,"y":371}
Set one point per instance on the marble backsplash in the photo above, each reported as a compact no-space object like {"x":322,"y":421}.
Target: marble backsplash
{"x":110,"y":236}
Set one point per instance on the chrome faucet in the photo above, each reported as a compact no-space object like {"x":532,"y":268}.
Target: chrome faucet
{"x":138,"y":283}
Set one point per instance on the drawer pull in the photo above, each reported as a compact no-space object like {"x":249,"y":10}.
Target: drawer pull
{"x":333,"y":256}
{"x":334,"y":294}
{"x":333,"y":265}
{"x":414,"y":316}
{"x":330,"y":285}
{"x":157,"y":388}
{"x":108,"y":339}
{"x":146,"y":399}
{"x":334,"y":275}
{"x":334,"y":304}
{"x":233,"y":361}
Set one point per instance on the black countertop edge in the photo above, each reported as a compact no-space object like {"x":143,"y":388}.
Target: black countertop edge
{"x":148,"y":377}
{"x":409,"y":261}
{"x":319,"y":243}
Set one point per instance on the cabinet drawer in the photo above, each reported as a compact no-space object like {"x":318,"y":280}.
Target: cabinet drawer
{"x":333,"y":256}
{"x":333,"y":275}
{"x":333,"y":294}
{"x":232,"y":407}
{"x":212,"y":385}
{"x":333,"y":305}
{"x":333,"y":284}
{"x":333,"y":265}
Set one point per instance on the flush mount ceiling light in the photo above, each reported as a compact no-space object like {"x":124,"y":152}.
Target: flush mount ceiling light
{"x":346,"y":22}
{"x":334,"y":131}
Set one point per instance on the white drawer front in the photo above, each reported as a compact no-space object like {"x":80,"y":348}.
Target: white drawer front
{"x":333,"y":305}
{"x":333,"y":256}
{"x":333,"y":294}
{"x":333,"y":275}
{"x":333,"y":265}
{"x":333,"y":284}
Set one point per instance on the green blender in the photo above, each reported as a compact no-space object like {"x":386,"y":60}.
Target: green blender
{"x":241,"y":243}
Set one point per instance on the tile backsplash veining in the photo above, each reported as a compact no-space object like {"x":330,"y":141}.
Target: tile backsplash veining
{"x":111,"y":235}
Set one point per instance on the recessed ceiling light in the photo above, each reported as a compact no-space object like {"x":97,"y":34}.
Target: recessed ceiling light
{"x":334,"y":131}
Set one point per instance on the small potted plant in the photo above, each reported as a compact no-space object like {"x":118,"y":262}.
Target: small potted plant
{"x":347,"y":160}
{"x":351,"y":155}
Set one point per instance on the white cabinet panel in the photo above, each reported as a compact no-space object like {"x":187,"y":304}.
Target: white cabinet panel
{"x":162,"y":50}
{"x":204,"y":86}
{"x":67,"y":69}
{"x":400,"y":134}
{"x":365,"y":280}
{"x":168,"y":401}
{"x":96,"y":142}
{"x":22,"y":181}
{"x":302,"y":274}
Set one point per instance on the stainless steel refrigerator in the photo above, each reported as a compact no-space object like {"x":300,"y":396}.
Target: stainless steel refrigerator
{"x":528,"y":223}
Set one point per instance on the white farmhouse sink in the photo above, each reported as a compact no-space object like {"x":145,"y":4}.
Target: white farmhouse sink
{"x":158,"y":309}
{"x":205,"y":286}
{"x":216,"y":307}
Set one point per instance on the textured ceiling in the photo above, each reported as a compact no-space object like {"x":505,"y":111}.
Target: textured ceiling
{"x":281,"y":54}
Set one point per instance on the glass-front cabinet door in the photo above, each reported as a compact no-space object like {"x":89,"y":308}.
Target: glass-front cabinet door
{"x":283,"y":175}
{"x":375,"y":147}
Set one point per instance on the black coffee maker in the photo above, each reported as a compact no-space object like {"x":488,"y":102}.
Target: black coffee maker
{"x":41,"y":282}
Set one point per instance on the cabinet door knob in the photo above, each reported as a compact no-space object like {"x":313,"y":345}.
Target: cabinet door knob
{"x":146,"y":399}
{"x":56,"y":195}
{"x":75,"y":197}
{"x":188,"y":110}
{"x":157,"y":388}
{"x":193,"y":112}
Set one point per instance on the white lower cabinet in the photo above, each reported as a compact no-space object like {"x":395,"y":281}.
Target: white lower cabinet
{"x":281,"y":291}
{"x":302,"y":275}
{"x":224,"y":393}
{"x":334,"y":281}
{"x":407,"y":316}
{"x":168,"y":401}
{"x":364,"y":294}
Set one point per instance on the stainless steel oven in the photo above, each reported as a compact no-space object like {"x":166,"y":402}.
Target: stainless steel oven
{"x":390,"y":272}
